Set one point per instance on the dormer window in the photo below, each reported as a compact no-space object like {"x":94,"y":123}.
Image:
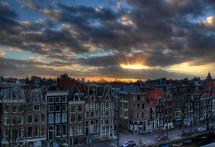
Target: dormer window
{"x":76,"y":98}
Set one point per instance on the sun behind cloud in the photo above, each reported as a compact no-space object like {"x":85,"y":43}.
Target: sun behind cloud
{"x":134,"y":66}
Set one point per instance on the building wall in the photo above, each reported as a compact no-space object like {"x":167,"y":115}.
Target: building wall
{"x":57,"y":114}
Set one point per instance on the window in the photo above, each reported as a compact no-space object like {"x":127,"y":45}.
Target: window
{"x":72,"y":108}
{"x":57,"y":99}
{"x":138,"y":97}
{"x":107,"y":105}
{"x":36,"y":118}
{"x":87,"y":114}
{"x":51,"y":108}
{"x":126,"y":113}
{"x":51,"y":132}
{"x":142,"y":114}
{"x":64,"y":117}
{"x":13,"y":108}
{"x":42,"y":130}
{"x":36,"y":107}
{"x":87,"y":106}
{"x":57,"y":118}
{"x":137,"y":115}
{"x":36,"y":99}
{"x":30,"y":132}
{"x":64,"y":107}
{"x":92,"y":114}
{"x":97,"y":106}
{"x":92,"y":106}
{"x":30,"y":119}
{"x":72,"y":118}
{"x":150,"y":110}
{"x":6,"y":108}
{"x":43,"y":117}
{"x":51,"y":99}
{"x":21,"y":109}
{"x":92,"y":99}
{"x":107,"y":113}
{"x":79,"y":118}
{"x":64,"y":99}
{"x":36,"y":131}
{"x":142,"y":106}
{"x":138,"y":106}
{"x":20,"y":119}
{"x":64,"y":130}
{"x":51,"y":118}
{"x":57,"y":108}
{"x":57,"y":130}
{"x":76,"y":98}
{"x":79,"y":108}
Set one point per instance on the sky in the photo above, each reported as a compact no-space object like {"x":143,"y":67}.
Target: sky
{"x":108,"y":39}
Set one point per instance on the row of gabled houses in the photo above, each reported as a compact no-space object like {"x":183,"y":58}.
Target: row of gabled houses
{"x":73,"y":113}
{"x":29,"y":117}
{"x":143,"y":111}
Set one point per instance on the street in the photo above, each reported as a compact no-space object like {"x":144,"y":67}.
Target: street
{"x":146,"y":139}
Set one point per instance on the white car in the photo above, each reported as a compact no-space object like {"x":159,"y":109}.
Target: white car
{"x":201,"y":129}
{"x":129,"y":144}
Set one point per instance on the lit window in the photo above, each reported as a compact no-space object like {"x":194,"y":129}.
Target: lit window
{"x":64,"y":117}
{"x":51,"y":118}
{"x":57,"y":118}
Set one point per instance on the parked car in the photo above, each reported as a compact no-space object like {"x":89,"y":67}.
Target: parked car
{"x":177,"y":144}
{"x":129,"y":144}
{"x":189,"y":141}
{"x":212,"y":127}
{"x":161,"y":138}
{"x":200,"y":130}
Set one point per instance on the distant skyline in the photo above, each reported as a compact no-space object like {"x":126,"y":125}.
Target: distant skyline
{"x":107,"y":39}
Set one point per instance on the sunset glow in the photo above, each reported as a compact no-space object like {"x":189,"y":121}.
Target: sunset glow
{"x":134,"y":66}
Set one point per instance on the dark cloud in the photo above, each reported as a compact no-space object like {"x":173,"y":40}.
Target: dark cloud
{"x":157,"y":32}
{"x":23,"y":68}
{"x":7,"y":16}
